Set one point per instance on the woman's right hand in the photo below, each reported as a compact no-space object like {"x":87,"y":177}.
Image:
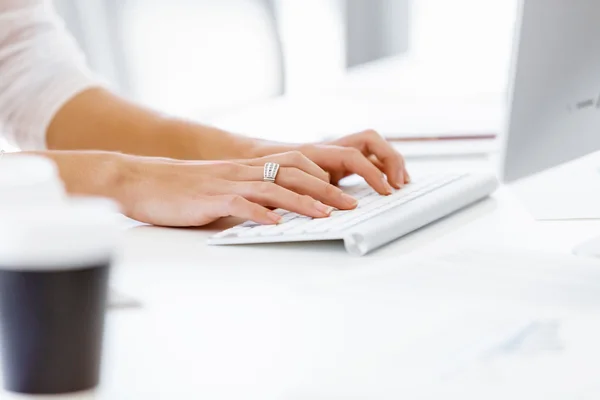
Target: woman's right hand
{"x":193,"y":193}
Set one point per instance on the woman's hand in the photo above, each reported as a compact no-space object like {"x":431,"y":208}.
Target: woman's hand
{"x":366,"y":154}
{"x":186,"y":193}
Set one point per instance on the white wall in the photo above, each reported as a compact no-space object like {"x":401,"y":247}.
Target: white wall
{"x":476,"y":35}
{"x":313,"y":35}
{"x":200,"y":56}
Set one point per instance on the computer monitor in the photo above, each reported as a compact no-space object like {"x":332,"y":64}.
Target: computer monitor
{"x":554,"y":96}
{"x":554,"y":93}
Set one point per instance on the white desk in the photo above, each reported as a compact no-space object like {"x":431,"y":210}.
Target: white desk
{"x":308,"y":321}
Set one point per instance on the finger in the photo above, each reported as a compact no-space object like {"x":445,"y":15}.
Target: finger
{"x":376,"y":162}
{"x":300,"y":182}
{"x":303,"y":183}
{"x":237,"y":206}
{"x":355,"y":162}
{"x":272,"y":195}
{"x":380,"y":166}
{"x":291,"y":159}
{"x":393,"y":162}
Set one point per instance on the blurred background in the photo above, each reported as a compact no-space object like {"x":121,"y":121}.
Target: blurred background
{"x":214,"y":60}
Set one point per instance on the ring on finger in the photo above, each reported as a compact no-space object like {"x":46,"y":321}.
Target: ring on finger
{"x":270,"y":172}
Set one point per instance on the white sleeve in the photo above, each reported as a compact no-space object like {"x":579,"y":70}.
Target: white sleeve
{"x":41,"y":68}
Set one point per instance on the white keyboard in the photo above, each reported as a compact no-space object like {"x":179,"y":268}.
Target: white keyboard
{"x":377,"y":220}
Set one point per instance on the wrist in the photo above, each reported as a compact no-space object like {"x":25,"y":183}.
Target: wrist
{"x":186,"y":140}
{"x":90,"y":173}
{"x":117,"y":176}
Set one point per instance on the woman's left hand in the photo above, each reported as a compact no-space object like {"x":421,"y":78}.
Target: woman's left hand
{"x":366,"y":154}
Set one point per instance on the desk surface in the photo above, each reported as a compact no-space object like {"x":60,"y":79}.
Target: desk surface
{"x":307,"y":321}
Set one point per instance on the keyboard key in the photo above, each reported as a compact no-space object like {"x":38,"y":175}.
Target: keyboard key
{"x":255,"y":231}
{"x":338,"y":213}
{"x":232,"y":232}
{"x":288,"y":216}
{"x":282,"y":228}
{"x":250,"y":224}
{"x":366,"y":201}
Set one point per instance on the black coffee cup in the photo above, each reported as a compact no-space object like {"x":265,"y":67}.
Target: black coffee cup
{"x":54,"y":270}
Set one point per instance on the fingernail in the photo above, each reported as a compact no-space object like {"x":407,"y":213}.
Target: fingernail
{"x":322,"y":208}
{"x":388,"y":188}
{"x":408,"y":178}
{"x":400,"y":182}
{"x":276,"y":218}
{"x":349,"y":200}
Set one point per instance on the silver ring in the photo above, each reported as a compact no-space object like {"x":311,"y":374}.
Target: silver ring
{"x":270,"y":172}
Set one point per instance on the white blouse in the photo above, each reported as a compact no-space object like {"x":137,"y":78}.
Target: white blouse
{"x":41,"y":68}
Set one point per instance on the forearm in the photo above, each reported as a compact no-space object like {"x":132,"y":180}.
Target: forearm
{"x":99,"y":120}
{"x":91,"y":173}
